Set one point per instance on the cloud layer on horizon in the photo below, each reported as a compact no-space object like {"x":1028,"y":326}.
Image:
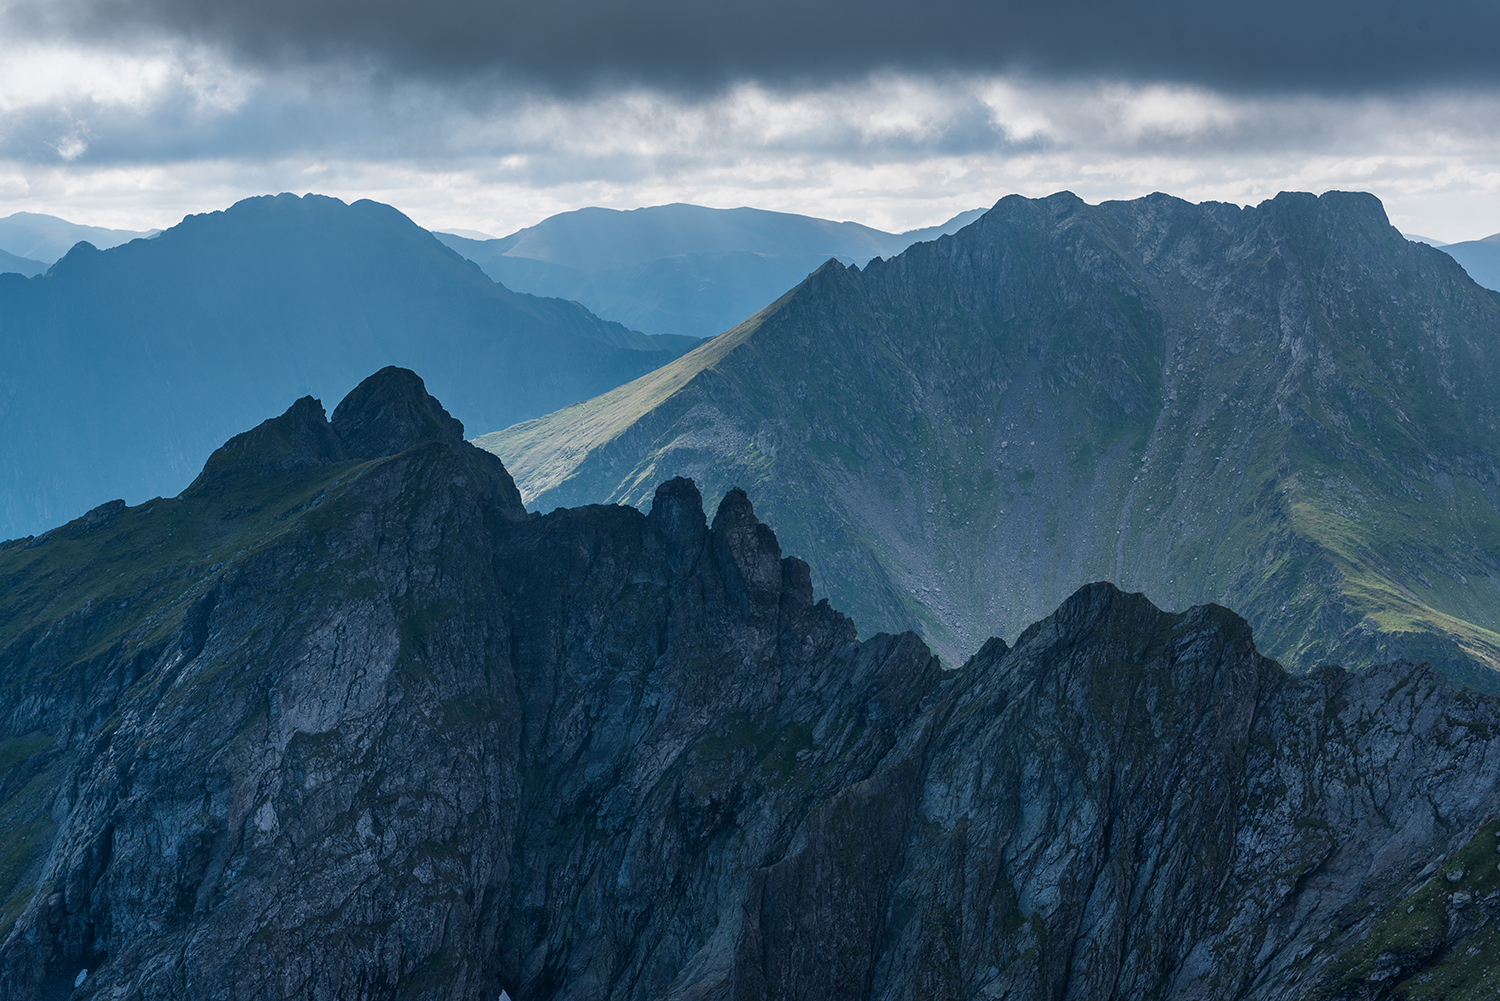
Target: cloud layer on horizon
{"x":137,"y":129}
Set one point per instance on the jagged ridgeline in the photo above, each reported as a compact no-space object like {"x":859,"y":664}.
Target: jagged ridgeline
{"x":343,"y":721}
{"x":1286,"y":409}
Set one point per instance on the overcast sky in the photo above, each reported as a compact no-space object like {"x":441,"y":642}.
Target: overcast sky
{"x":490,"y":115}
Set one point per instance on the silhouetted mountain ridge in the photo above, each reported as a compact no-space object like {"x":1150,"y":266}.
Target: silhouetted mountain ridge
{"x":20,"y":265}
{"x":46,"y":238}
{"x":1480,"y":258}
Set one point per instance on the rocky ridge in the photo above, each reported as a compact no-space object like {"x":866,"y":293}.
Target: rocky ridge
{"x":1287,"y":409}
{"x":344,"y":721}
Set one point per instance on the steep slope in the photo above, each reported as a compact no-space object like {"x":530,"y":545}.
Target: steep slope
{"x":1287,"y":409}
{"x":681,"y":269}
{"x":125,"y":368}
{"x":342,"y":721}
{"x":47,"y":238}
{"x":1480,"y":258}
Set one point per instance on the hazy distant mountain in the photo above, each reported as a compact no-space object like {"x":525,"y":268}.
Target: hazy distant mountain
{"x":1287,"y":409}
{"x":46,"y":237}
{"x":124,"y":368}
{"x":681,"y":269}
{"x":21,"y":265}
{"x":1480,"y":258}
{"x":1414,"y":238}
{"x":469,"y":234}
{"x":911,"y":236}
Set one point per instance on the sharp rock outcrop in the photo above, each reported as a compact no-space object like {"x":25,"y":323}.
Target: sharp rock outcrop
{"x":343,"y":721}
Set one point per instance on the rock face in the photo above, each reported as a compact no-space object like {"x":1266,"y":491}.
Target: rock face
{"x":346,"y":722}
{"x":1286,"y":409}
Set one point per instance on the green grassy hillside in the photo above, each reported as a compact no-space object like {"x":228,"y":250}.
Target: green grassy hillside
{"x":1288,"y":409}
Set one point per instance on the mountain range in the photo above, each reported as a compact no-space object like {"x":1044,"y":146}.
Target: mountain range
{"x":1287,"y":409}
{"x":46,"y":238}
{"x":344,"y":720}
{"x":679,"y":269}
{"x":124,"y":368}
{"x":20,"y":265}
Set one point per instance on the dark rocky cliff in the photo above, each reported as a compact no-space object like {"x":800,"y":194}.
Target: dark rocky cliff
{"x":343,"y":721}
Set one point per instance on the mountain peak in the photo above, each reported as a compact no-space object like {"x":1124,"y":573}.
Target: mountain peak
{"x":299,"y":439}
{"x":945,"y":418}
{"x":749,"y":553}
{"x":396,"y":698}
{"x":386,"y":414}
{"x":390,"y":412}
{"x":678,"y":507}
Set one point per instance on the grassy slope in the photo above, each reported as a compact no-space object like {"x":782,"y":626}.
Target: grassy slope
{"x":549,"y":449}
{"x":958,"y":458}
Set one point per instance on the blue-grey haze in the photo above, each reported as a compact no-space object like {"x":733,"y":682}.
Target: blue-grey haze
{"x":680,"y":269}
{"x":1480,"y":258}
{"x":47,"y":238}
{"x":16,"y":264}
{"x":125,"y":368}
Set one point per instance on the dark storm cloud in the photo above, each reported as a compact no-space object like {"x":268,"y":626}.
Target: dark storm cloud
{"x":1327,"y":46}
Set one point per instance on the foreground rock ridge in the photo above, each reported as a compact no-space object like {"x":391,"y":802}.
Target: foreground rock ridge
{"x":344,"y":721}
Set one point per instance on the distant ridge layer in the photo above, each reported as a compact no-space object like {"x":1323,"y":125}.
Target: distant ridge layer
{"x":124,"y":368}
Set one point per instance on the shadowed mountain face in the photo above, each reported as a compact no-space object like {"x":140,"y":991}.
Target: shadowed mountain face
{"x":124,"y":368}
{"x":1288,"y":409}
{"x":679,"y":269}
{"x":343,"y":721}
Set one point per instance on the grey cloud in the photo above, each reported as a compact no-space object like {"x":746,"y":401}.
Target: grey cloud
{"x":623,"y":137}
{"x":1328,"y":46}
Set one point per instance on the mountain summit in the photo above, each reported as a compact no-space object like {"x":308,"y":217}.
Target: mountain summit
{"x":1288,"y":409}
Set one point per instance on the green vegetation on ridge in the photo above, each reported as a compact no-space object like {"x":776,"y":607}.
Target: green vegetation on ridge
{"x":1287,"y":409}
